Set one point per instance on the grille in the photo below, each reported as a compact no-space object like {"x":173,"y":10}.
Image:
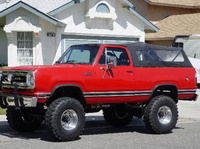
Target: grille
{"x":9,"y":78}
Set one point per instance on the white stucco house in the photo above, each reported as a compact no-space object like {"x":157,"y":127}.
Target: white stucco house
{"x":37,"y":32}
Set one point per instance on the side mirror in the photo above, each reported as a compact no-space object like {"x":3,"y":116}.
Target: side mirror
{"x":112,"y":62}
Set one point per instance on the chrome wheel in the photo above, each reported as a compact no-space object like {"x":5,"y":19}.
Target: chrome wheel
{"x":69,"y":119}
{"x":164,"y":115}
{"x":65,"y":119}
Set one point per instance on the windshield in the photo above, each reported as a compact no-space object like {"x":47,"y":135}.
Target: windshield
{"x":80,"y":54}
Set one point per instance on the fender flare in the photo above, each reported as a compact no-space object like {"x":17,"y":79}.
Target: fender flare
{"x":79,"y":97}
{"x":165,"y":87}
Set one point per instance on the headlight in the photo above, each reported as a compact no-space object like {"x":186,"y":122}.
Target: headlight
{"x":30,"y":79}
{"x":10,"y":77}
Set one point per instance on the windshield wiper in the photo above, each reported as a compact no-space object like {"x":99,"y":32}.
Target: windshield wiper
{"x":71,"y":62}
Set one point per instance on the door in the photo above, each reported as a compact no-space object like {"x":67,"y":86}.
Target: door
{"x":115,"y":82}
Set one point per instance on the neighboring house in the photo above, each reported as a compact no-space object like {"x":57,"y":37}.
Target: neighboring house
{"x":37,"y":32}
{"x":172,"y":17}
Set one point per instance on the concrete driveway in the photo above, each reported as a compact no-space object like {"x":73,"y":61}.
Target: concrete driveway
{"x":189,"y":110}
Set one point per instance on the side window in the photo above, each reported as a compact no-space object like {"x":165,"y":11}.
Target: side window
{"x":119,"y":53}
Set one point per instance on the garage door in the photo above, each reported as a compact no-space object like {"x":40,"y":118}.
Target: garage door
{"x":68,"y":40}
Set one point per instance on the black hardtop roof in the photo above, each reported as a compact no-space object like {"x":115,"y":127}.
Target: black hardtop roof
{"x":140,"y":46}
{"x":135,"y":46}
{"x":143,"y":46}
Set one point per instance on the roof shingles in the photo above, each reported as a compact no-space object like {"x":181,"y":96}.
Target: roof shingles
{"x":176,"y":25}
{"x":176,"y":3}
{"x":44,"y":6}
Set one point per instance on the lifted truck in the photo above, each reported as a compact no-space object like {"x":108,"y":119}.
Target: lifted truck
{"x":133,"y":79}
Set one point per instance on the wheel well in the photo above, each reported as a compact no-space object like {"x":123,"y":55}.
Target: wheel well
{"x":168,"y":90}
{"x":67,"y":91}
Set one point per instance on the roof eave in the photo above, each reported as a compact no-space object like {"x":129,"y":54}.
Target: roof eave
{"x":128,"y":3}
{"x":149,"y":27}
{"x":67,"y":5}
{"x":33,"y":10}
{"x":159,"y":39}
{"x":171,"y":5}
{"x":57,"y":10}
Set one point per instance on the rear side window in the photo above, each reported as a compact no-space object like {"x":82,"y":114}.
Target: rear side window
{"x":160,"y":55}
{"x":147,"y":55}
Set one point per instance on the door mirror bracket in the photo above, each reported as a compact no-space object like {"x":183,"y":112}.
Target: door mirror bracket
{"x":112,"y":62}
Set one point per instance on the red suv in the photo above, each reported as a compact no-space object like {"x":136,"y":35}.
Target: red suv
{"x":133,"y":79}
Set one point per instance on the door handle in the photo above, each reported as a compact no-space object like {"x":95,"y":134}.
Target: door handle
{"x":129,"y":71}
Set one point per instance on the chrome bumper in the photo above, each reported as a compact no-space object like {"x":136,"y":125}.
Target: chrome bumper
{"x":17,"y":100}
{"x":20,"y":101}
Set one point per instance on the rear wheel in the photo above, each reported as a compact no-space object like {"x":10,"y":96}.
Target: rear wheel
{"x":65,"y":119}
{"x":22,"y":120}
{"x":119,"y":115}
{"x":161,"y":114}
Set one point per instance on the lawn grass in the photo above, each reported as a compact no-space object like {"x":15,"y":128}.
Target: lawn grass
{"x":2,"y":111}
{"x":3,"y":65}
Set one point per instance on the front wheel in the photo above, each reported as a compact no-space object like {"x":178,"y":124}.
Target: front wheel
{"x":161,"y":114}
{"x":22,"y":120}
{"x":65,"y":119}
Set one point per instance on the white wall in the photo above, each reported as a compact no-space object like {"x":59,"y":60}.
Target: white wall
{"x":22,"y":20}
{"x":49,"y":46}
{"x":124,"y":25}
{"x":2,"y":1}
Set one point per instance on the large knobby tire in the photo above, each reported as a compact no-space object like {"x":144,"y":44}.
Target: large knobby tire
{"x":22,"y":120}
{"x":118,"y":116}
{"x":161,"y":114}
{"x":65,"y":119}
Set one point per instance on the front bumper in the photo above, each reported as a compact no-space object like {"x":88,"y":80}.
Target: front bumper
{"x":17,"y":100}
{"x":20,"y":101}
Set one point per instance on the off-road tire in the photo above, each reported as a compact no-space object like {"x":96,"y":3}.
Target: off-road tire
{"x":118,"y":116}
{"x":161,"y":114}
{"x":65,"y":119}
{"x":22,"y":121}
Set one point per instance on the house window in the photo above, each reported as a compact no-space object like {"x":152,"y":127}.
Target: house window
{"x":103,"y":8}
{"x":177,"y":44}
{"x":25,"y":48}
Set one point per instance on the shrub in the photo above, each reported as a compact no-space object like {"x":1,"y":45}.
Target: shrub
{"x":3,"y":65}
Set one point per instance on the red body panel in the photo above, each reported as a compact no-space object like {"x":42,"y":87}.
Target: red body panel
{"x":117,"y":85}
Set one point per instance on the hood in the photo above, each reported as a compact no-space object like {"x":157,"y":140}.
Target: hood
{"x":36,"y":67}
